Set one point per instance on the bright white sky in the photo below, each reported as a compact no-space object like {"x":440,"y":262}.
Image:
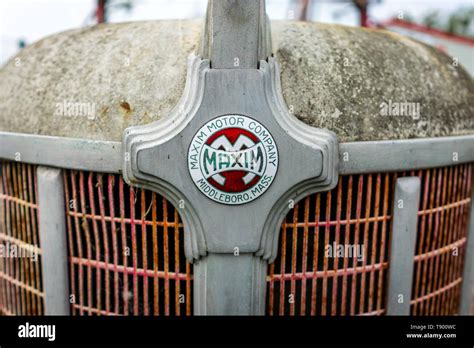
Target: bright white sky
{"x":33,"y":19}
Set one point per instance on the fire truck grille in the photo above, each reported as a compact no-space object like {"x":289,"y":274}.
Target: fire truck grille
{"x":126,"y":254}
{"x":126,"y":249}
{"x":334,"y":247}
{"x":20,"y":262}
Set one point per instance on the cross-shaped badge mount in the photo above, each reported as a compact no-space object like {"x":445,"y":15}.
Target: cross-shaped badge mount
{"x":232,"y":159}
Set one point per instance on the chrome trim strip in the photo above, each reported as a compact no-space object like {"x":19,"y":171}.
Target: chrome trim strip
{"x":400,"y":155}
{"x":52,"y":233}
{"x":402,"y":246}
{"x":354,"y":157}
{"x":60,"y":152}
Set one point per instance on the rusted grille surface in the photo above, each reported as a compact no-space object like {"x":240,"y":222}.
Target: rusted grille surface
{"x":125,"y":249}
{"x":442,"y":235}
{"x":20,"y":253}
{"x":303,"y":281}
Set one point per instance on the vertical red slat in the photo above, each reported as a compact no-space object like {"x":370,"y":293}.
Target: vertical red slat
{"x":368,"y":202}
{"x":144,"y":252}
{"x":125,"y":248}
{"x":115,"y":248}
{"x":315,"y":255}
{"x":134,"y":251}
{"x":347,"y":235}
{"x":304,"y":259}
{"x":282,"y":268}
{"x":374,"y":246}
{"x":384,"y":238}
{"x":166,"y":246}
{"x":105,"y":240}
{"x":156,"y":303}
{"x":356,"y":238}
{"x":97,"y":242}
{"x":327,"y":232}
{"x":335,"y":256}
{"x":85,"y":228}
{"x":294,"y":249}
{"x":176,"y":263}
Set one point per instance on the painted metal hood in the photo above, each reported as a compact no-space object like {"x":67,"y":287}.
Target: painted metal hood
{"x":335,"y":77}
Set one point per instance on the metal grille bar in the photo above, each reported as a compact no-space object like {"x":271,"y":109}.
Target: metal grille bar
{"x":21,"y":291}
{"x":406,"y":201}
{"x":125,"y":249}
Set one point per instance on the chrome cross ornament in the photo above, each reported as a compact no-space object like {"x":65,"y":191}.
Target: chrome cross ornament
{"x":231,"y":158}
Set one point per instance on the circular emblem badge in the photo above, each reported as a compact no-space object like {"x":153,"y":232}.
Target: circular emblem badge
{"x":233,"y":159}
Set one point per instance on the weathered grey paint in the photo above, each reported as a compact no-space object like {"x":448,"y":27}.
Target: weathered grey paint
{"x":230,"y":284}
{"x":70,"y":153}
{"x":402,"y":247}
{"x":468,"y":275}
{"x":400,"y":155}
{"x":52,"y":233}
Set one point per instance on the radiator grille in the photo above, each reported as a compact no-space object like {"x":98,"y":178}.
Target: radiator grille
{"x":20,"y":257}
{"x":302,"y":281}
{"x":126,"y":252}
{"x":125,"y":249}
{"x":442,"y":234}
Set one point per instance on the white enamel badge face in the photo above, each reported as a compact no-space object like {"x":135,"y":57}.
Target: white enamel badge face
{"x":233,"y":159}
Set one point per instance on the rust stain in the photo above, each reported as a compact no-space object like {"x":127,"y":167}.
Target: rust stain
{"x":125,"y":106}
{"x":104,"y":111}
